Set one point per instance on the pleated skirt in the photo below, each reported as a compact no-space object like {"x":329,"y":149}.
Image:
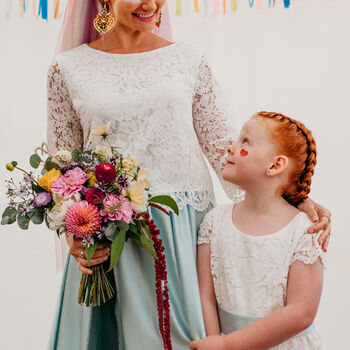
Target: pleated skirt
{"x":130,"y":321}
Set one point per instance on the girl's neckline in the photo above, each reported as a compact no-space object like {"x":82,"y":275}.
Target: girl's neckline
{"x":269,"y":235}
{"x":159,"y":49}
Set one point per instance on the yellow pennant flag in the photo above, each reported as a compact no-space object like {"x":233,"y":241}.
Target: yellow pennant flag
{"x":178,"y":7}
{"x":234,"y":5}
{"x":196,"y":6}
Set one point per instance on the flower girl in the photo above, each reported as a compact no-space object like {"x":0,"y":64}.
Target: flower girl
{"x":260,"y":273}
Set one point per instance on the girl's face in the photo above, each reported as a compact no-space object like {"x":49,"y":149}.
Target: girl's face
{"x":137,"y":15}
{"x":249,"y":158}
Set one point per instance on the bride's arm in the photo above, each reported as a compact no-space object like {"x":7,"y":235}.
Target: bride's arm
{"x":213,"y":124}
{"x":64,"y":132}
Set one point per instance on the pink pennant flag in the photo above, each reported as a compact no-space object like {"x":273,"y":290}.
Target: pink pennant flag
{"x":216,"y":7}
{"x":259,"y":4}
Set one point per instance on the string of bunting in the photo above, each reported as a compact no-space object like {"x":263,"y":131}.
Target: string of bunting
{"x":41,"y":8}
{"x":37,"y":8}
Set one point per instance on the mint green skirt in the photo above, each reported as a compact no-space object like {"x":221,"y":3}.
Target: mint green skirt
{"x":130,"y":321}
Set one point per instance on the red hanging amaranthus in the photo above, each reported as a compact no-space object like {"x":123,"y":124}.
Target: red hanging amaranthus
{"x":162,"y":290}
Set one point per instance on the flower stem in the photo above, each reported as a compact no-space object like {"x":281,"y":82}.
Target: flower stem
{"x":27,"y":174}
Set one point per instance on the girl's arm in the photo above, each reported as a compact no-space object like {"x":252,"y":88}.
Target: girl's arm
{"x":206,"y":288}
{"x":303,"y":297}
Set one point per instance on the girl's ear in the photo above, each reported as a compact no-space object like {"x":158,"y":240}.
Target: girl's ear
{"x":278,"y":166}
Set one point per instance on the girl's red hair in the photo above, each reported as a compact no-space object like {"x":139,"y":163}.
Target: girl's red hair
{"x":296,"y":142}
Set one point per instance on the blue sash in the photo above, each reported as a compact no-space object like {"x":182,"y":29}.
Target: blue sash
{"x":230,"y":322}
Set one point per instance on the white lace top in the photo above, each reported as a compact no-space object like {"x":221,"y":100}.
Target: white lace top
{"x":250,"y":272}
{"x":164,"y":106}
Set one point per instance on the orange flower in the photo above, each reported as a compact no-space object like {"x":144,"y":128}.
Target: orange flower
{"x":47,"y":180}
{"x":92,"y":179}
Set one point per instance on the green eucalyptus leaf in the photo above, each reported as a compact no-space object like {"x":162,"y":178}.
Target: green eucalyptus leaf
{"x":36,"y":216}
{"x":35,"y":161}
{"x":36,"y":188}
{"x":111,"y":231}
{"x":89,"y":251}
{"x":9,"y":216}
{"x":77,"y":155}
{"x":117,"y":248}
{"x":49,"y":164}
{"x":166,"y":200}
{"x":23,"y":221}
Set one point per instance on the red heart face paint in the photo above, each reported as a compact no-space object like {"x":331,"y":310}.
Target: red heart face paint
{"x":244,"y":152}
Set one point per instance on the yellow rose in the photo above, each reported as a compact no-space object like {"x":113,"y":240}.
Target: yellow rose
{"x":143,"y":178}
{"x":92,"y":179}
{"x":47,"y":180}
{"x":128,"y":165}
{"x":101,"y":130}
{"x":138,"y":197}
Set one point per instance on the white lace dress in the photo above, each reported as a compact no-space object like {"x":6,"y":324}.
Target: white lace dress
{"x":164,"y":106}
{"x":165,"y":110}
{"x":250,"y":272}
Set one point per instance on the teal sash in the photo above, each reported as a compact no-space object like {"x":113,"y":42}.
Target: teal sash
{"x":230,"y":322}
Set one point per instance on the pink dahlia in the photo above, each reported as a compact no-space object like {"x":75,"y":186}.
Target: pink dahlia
{"x":69,"y":183}
{"x":83,"y":219}
{"x":116,"y":208}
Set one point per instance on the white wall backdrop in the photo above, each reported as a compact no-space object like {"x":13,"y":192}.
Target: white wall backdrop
{"x":292,"y":61}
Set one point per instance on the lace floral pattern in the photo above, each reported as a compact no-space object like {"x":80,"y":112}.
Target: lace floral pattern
{"x":250,"y":272}
{"x":164,"y":107}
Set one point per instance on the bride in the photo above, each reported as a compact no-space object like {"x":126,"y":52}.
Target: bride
{"x":166,"y":110}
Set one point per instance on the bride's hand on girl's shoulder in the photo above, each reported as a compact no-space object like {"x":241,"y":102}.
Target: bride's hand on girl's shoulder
{"x":209,"y":343}
{"x":76,"y":250}
{"x":321,"y":217}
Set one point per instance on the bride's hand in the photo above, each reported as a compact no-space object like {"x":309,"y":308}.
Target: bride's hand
{"x":76,"y":250}
{"x":322,"y":219}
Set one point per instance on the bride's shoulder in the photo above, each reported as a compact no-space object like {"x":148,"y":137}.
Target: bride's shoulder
{"x":190,"y":50}
{"x":71,"y":56}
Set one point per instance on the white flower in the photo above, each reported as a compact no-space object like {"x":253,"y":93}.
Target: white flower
{"x":128,"y":165}
{"x":101,"y":130}
{"x":138,"y":197}
{"x":103,"y":150}
{"x":56,"y":217}
{"x":143,"y":178}
{"x":63,"y":157}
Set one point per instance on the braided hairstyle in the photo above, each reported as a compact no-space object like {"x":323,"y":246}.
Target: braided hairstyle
{"x":295,"y":141}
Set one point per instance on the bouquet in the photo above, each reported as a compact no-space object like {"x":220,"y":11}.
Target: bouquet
{"x":102,"y":199}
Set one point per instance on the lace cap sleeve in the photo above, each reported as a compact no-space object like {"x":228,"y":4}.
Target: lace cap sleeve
{"x":64,"y":131}
{"x":307,"y":249}
{"x":213,"y":124}
{"x":206,"y":228}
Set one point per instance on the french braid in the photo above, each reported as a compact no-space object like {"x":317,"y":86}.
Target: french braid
{"x":297,"y":143}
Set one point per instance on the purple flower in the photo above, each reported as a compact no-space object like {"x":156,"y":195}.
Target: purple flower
{"x":25,"y":210}
{"x":28,"y":178}
{"x":114,"y":160}
{"x":42,"y":199}
{"x":22,"y":191}
{"x":123,"y":181}
{"x":65,"y":168}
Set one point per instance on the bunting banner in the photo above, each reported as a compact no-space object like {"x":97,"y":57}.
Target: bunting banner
{"x":52,"y":9}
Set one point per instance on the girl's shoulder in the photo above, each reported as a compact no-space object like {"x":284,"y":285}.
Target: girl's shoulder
{"x":305,"y":246}
{"x":211,"y":220}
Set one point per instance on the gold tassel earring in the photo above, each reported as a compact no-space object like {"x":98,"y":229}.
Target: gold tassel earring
{"x":104,"y":20}
{"x":159,"y":19}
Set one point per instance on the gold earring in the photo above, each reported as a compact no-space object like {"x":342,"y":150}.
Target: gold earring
{"x":104,"y":20}
{"x":159,"y":19}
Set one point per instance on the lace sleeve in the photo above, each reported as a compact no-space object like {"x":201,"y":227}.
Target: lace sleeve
{"x":206,"y":228}
{"x":64,"y":131}
{"x":213,"y":124}
{"x":308,"y":250}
